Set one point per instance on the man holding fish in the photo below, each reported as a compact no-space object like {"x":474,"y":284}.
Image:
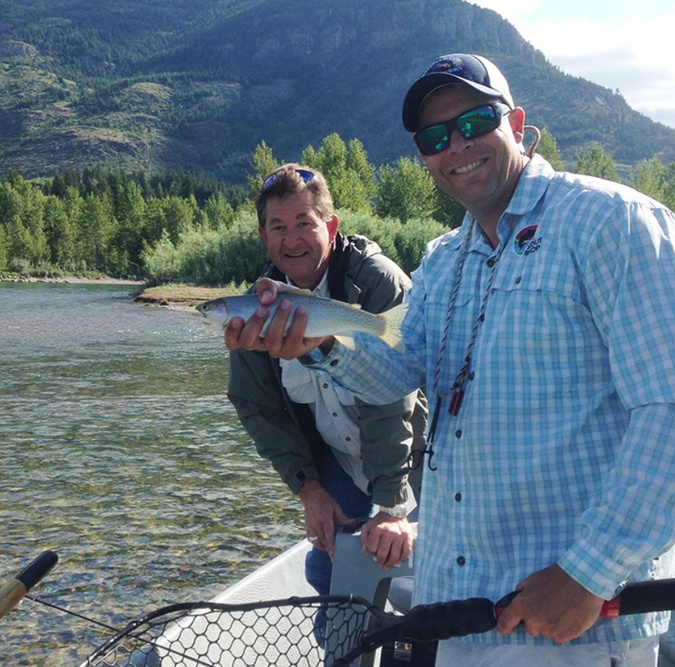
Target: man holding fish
{"x":544,"y":329}
{"x":337,"y":453}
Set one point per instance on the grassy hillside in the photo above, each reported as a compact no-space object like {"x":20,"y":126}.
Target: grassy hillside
{"x":198,"y":85}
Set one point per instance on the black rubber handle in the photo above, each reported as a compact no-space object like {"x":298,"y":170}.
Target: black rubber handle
{"x":450,"y":619}
{"x":32,"y":573}
{"x":642,"y":597}
{"x":14,"y":590}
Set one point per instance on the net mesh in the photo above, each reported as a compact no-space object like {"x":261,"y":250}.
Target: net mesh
{"x":297,"y":632}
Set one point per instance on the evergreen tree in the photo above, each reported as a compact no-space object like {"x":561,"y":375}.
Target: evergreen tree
{"x":219,"y":212}
{"x":650,"y":178}
{"x":59,"y":216}
{"x":21,"y":213}
{"x":127,"y":241}
{"x":406,"y":191}
{"x":263,"y":162}
{"x":95,"y":229}
{"x":357,"y":161}
{"x":346,"y":183}
{"x":669,"y":199}
{"x":595,"y":162}
{"x":548,"y":149}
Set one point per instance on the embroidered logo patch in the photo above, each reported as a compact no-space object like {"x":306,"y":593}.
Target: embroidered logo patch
{"x":525,"y":243}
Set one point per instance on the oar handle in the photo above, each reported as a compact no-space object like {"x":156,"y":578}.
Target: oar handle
{"x":13,"y":591}
{"x":641,"y":597}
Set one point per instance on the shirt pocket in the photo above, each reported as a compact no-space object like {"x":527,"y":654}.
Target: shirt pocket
{"x":539,"y":321}
{"x":554,"y":273}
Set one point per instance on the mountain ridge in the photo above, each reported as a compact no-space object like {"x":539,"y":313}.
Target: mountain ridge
{"x":147,"y":85}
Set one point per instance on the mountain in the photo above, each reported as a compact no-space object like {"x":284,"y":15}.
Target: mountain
{"x":144,"y":84}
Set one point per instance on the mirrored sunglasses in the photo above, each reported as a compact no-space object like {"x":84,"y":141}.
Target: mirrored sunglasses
{"x":304,"y":174}
{"x":475,"y":123}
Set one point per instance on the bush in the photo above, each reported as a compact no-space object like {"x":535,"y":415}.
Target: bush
{"x":403,"y":243}
{"x":232,"y":254}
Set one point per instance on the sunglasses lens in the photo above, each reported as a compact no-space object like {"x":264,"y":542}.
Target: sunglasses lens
{"x":474,"y":123}
{"x":478,"y":122}
{"x":304,"y":174}
{"x":432,"y":140}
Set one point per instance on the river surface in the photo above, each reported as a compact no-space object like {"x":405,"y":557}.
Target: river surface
{"x":121,"y":453}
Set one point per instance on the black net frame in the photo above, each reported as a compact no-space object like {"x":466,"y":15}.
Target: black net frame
{"x":294,"y":632}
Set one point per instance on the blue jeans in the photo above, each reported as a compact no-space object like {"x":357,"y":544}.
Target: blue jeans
{"x":354,"y":503}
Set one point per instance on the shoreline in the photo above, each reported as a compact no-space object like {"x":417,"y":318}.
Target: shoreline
{"x":105,"y":280}
{"x":185,"y":296}
{"x":180,"y":296}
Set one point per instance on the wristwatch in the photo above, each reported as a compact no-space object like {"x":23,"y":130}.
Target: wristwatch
{"x":398,"y":511}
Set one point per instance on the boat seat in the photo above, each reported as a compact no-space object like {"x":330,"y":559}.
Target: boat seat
{"x":400,"y":594}
{"x":357,"y":573}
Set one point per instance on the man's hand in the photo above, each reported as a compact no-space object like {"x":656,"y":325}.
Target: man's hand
{"x":277,"y":341}
{"x":321,"y":514}
{"x":388,"y":539}
{"x":552,"y":604}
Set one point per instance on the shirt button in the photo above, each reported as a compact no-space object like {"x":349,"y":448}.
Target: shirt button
{"x":458,"y":497}
{"x":461,"y":560}
{"x":458,"y":433}
{"x":491,"y":262}
{"x":348,"y":439}
{"x":325,"y":385}
{"x":518,"y":279}
{"x":334,"y":414}
{"x":334,"y":362}
{"x":472,"y":375}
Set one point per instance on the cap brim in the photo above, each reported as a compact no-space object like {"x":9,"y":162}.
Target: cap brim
{"x":426,"y":85}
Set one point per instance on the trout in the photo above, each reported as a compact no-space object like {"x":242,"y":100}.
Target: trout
{"x":327,"y":317}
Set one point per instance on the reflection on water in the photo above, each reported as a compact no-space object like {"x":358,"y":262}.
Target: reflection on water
{"x":121,"y":453}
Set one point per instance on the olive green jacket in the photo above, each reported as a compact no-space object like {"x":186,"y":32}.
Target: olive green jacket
{"x":284,"y":431}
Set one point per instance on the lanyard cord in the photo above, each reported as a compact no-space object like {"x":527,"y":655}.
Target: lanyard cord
{"x":451,"y":306}
{"x":457,"y":388}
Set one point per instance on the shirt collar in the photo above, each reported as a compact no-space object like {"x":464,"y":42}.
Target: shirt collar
{"x":320,"y":290}
{"x":531,"y":188}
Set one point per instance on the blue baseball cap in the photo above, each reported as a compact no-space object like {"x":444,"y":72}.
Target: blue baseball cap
{"x":472,"y":70}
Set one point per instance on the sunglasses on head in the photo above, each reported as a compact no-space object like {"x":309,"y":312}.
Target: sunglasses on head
{"x":474,"y":123}
{"x":304,"y":174}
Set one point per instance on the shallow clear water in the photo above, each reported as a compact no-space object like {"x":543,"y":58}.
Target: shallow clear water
{"x":120,"y":452}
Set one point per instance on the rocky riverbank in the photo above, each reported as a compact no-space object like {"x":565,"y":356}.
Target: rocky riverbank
{"x":174,"y":295}
{"x":74,"y":280}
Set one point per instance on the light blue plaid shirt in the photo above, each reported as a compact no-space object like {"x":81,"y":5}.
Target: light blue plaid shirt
{"x":564,"y":448}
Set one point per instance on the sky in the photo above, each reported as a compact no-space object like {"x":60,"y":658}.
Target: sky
{"x":622,"y":45}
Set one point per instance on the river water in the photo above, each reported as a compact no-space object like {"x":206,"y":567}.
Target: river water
{"x":121,"y":453}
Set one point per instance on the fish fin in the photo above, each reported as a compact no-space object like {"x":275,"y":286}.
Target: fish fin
{"x":347,"y":341}
{"x":393,"y":319}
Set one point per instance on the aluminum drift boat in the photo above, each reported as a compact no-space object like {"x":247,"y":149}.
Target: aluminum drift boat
{"x":272,"y":636}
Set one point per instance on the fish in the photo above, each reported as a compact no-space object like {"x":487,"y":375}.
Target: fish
{"x":327,"y":317}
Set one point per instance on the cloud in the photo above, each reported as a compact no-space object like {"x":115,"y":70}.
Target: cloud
{"x":633,"y":59}
{"x":628,"y":51}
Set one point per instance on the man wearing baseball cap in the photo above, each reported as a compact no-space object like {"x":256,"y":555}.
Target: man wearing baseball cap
{"x":542,"y":328}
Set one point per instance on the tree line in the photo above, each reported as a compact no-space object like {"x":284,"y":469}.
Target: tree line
{"x":183,"y":227}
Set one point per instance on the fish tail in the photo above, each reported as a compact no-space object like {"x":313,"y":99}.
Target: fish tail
{"x":393,"y":319}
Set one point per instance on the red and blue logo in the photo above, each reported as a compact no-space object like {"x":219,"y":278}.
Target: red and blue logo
{"x":525,"y":242}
